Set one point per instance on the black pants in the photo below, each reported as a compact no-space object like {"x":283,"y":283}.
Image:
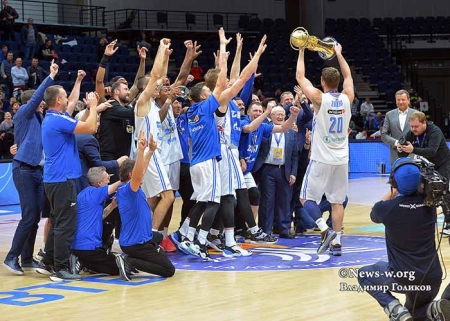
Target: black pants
{"x":150,"y":258}
{"x":98,"y":260}
{"x":185,"y":191}
{"x":63,"y":203}
{"x":114,"y":216}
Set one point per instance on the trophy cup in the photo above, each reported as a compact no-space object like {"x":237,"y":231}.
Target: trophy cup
{"x":300,"y":38}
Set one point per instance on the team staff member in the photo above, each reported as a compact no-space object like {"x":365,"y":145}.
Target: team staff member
{"x":27,"y":175}
{"x":411,"y":250}
{"x":61,"y":168}
{"x":88,"y":244}
{"x":136,"y":239}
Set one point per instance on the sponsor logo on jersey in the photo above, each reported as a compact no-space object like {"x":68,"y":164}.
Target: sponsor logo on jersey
{"x":328,"y":139}
{"x":336,"y":111}
{"x":196,"y":119}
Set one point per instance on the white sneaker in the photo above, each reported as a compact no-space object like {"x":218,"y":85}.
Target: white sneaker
{"x":235,"y":251}
{"x":190,"y":247}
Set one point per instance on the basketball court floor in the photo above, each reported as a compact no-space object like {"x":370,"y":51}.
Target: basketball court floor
{"x":285,"y":281}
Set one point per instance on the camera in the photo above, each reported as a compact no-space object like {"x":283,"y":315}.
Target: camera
{"x":433,"y":186}
{"x":402,"y":141}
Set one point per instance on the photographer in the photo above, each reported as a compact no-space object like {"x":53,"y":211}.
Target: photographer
{"x":427,"y":140}
{"x":411,"y":250}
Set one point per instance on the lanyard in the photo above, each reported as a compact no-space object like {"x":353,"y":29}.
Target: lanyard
{"x":423,"y":140}
{"x":278,"y":139}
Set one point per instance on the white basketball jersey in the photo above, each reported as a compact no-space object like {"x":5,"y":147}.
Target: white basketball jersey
{"x":224,"y":126}
{"x":149,"y":124}
{"x":329,"y":141}
{"x":171,"y":151}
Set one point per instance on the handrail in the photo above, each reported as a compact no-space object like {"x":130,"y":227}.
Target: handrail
{"x":59,"y":13}
{"x":176,"y":19}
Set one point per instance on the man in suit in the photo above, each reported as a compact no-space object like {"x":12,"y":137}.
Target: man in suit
{"x":278,"y":160}
{"x":396,"y":123}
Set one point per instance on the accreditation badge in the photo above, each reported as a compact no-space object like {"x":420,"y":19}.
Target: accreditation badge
{"x":278,"y":155}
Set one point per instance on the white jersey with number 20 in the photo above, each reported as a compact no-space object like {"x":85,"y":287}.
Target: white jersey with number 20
{"x":329,"y":144}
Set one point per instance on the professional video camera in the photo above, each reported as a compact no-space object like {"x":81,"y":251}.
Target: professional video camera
{"x":432,"y":184}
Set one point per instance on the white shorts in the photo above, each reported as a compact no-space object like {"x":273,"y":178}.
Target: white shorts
{"x":230,"y":170}
{"x":156,"y":179}
{"x":249,"y":180}
{"x":206,"y":181}
{"x":173,"y":171}
{"x":331,"y":180}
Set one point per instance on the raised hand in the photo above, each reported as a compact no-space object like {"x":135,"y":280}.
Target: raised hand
{"x":222,"y":38}
{"x":54,"y":68}
{"x":262,"y":46}
{"x":152,"y":145}
{"x":239,"y":40}
{"x":142,"y":52}
{"x":216,"y":58}
{"x":81,"y":74}
{"x":192,"y":49}
{"x":338,"y":48}
{"x":142,"y":142}
{"x":91,"y":100}
{"x":294,"y":110}
{"x":110,"y":50}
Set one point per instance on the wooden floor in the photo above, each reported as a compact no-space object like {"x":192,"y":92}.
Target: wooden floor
{"x":295,"y":294}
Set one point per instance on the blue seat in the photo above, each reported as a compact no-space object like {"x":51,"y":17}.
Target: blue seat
{"x":87,"y":86}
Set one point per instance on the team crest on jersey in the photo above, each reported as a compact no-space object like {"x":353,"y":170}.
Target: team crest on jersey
{"x":196,"y":119}
{"x":296,"y":254}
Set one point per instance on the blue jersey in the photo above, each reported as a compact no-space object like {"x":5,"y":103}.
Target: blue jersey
{"x":235,"y":122}
{"x":203,"y":130}
{"x":88,"y":235}
{"x":250,"y":142}
{"x":135,"y":214}
{"x":183,"y":134}
{"x":60,"y":148}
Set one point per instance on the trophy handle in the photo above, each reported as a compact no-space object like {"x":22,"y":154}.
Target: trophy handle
{"x":299,"y":28}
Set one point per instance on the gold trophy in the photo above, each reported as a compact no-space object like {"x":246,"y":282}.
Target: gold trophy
{"x":300,"y":38}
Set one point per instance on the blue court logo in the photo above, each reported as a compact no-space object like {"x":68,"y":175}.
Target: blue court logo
{"x":296,"y":254}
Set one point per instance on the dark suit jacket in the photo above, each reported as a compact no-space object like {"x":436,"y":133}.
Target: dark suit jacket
{"x":89,"y":151}
{"x":290,"y":154}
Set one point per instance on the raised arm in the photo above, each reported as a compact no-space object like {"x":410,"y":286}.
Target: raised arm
{"x":75,"y":94}
{"x":348,"y":88}
{"x":229,"y":93}
{"x":90,"y":125}
{"x":258,"y":121}
{"x":288,"y":123}
{"x":236,"y":66}
{"x":142,"y":160}
{"x":143,"y":107}
{"x":99,"y":85}
{"x":140,"y":73}
{"x":191,"y":53}
{"x":311,"y":92}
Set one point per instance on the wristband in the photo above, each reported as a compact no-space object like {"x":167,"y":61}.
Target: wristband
{"x":104,"y":62}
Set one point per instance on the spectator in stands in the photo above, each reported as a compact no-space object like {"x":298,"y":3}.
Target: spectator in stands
{"x":4,"y":52}
{"x":143,"y":42}
{"x":36,"y":74}
{"x":196,"y":71}
{"x":354,"y":107}
{"x":19,"y":77}
{"x":7,"y":17}
{"x":7,"y":123}
{"x":47,"y":51}
{"x":362,"y":134}
{"x":101,"y":48}
{"x":366,"y":109}
{"x":14,"y":106}
{"x":5,"y":73}
{"x":30,"y":38}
